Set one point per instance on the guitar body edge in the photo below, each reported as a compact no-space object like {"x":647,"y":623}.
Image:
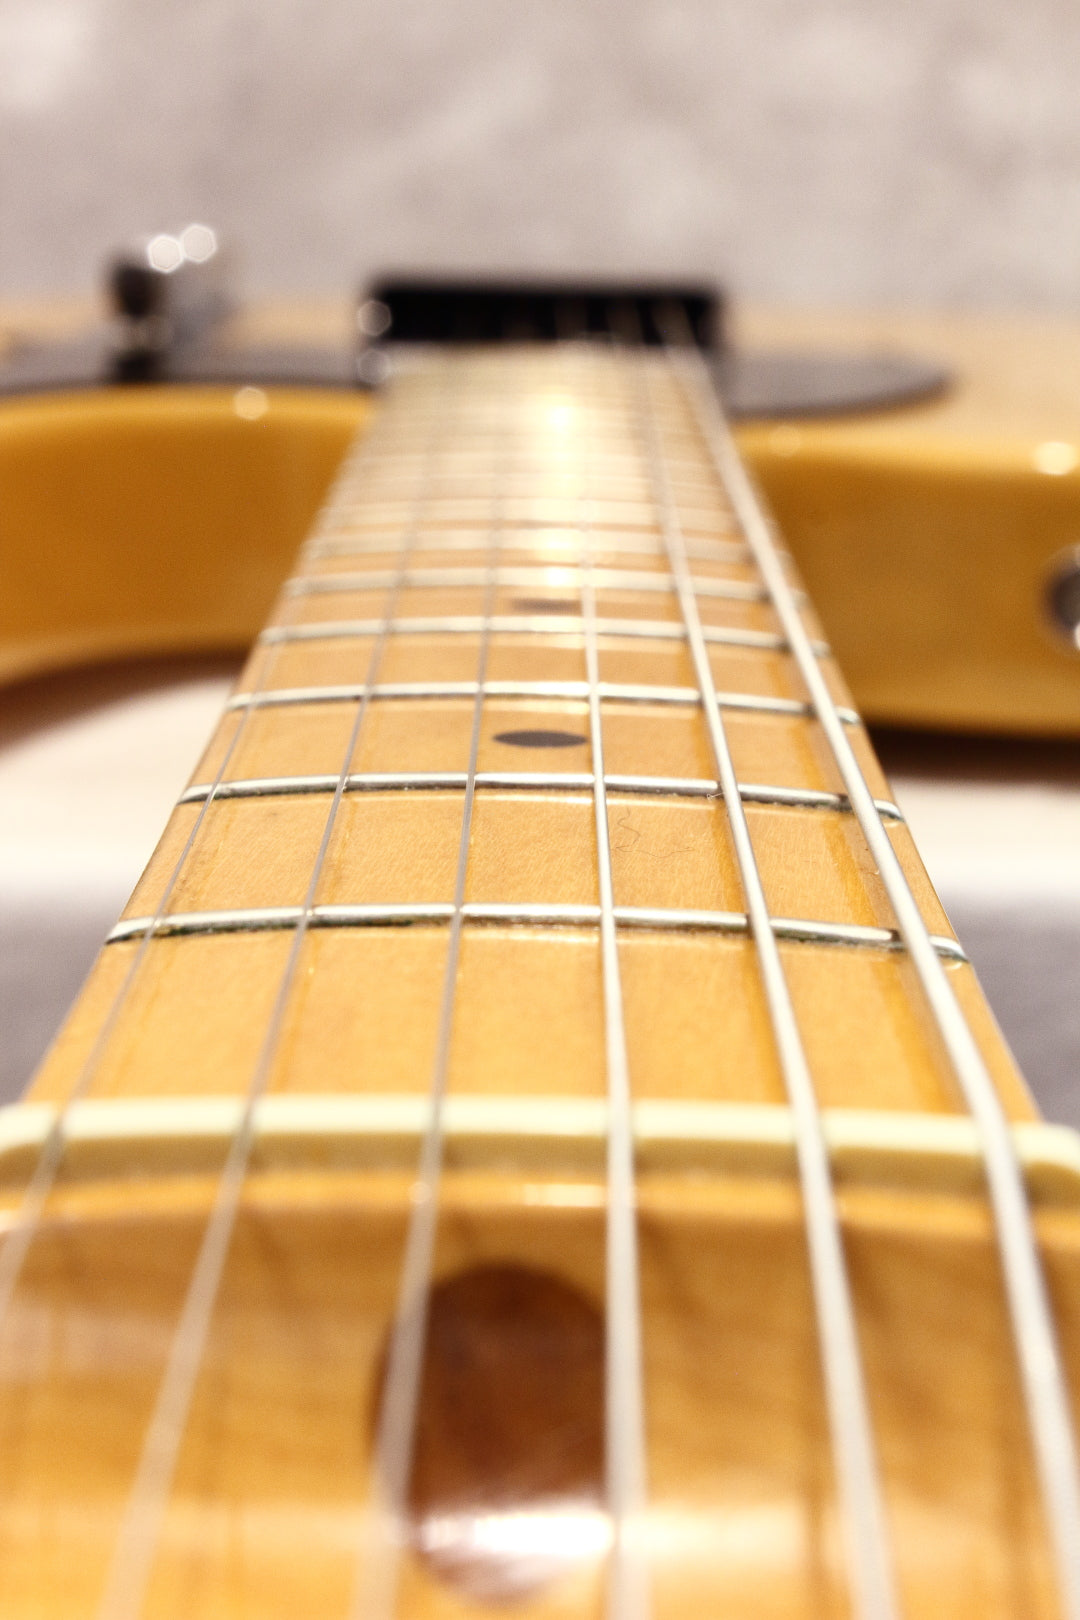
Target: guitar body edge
{"x":138,"y":522}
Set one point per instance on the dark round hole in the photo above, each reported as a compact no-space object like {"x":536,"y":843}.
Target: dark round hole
{"x":506,"y":1486}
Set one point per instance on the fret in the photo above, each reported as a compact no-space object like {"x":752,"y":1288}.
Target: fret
{"x":560,"y":624}
{"x":730,"y":613}
{"x":773,"y":741}
{"x":670,"y":851}
{"x":620,"y":692}
{"x":432,"y":644}
{"x":370,"y":975}
{"x":527,"y":578}
{"x":408,"y":781}
{"x":313,"y":898}
{"x":521,"y":550}
{"x":241,"y":920}
{"x":540,"y":512}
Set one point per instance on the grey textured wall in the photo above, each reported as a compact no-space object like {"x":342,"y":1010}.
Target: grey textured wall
{"x":843,"y":150}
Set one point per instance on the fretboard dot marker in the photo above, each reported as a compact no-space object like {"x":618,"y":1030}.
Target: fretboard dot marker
{"x":541,"y":739}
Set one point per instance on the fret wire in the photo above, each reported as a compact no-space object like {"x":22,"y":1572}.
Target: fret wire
{"x":376,"y":1588}
{"x":136,"y":1543}
{"x":518,"y":624}
{"x":605,"y":579}
{"x":1034,"y":1334}
{"x":628,"y":1595}
{"x":846,"y":1399}
{"x":27,"y":1217}
{"x":724,"y":551}
{"x":386,"y":914}
{"x":609,"y":536}
{"x":617,"y":691}
{"x":557,"y":516}
{"x":614,"y":514}
{"x":438,"y":781}
{"x":614,"y":470}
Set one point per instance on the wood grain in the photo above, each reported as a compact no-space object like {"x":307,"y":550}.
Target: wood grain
{"x":267,"y":1512}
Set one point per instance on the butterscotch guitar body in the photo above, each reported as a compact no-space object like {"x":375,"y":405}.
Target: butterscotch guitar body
{"x":533,"y":1144}
{"x":928,"y":534}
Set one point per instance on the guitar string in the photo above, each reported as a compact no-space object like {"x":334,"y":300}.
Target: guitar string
{"x":1034,"y":1335}
{"x":27,"y":1218}
{"x":478,"y":700}
{"x":868,"y":1551}
{"x":624,"y":1428}
{"x":377,"y":1581}
{"x":136,"y":1544}
{"x":628,"y":1584}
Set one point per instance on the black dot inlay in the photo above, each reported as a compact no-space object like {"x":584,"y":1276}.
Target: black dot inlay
{"x":541,"y":739}
{"x":546,"y":604}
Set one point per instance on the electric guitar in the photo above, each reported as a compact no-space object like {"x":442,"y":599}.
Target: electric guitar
{"x":533,"y":1143}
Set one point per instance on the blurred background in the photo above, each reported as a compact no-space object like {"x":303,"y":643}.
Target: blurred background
{"x":836,"y":151}
{"x":849,"y":153}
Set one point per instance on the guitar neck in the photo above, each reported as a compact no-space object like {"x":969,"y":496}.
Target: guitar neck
{"x":521,"y":537}
{"x":541,"y":818}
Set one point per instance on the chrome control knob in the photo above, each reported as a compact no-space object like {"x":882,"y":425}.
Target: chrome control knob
{"x":1062,"y":595}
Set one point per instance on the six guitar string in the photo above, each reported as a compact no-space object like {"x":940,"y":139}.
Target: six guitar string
{"x":857,"y":1472}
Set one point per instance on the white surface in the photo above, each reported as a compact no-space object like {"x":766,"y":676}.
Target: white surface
{"x":1020,"y":839}
{"x":90,"y":767}
{"x":833,"y":150}
{"x":998,"y":825}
